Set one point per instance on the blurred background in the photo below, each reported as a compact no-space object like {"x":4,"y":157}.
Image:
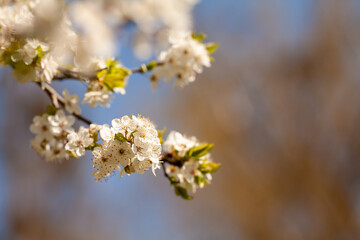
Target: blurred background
{"x":281,"y":103}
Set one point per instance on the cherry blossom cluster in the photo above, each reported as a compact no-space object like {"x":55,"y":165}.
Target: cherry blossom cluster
{"x":33,"y":56}
{"x":51,"y":40}
{"x":131,"y":143}
{"x":186,"y":57}
{"x":51,"y":135}
{"x":189,"y":164}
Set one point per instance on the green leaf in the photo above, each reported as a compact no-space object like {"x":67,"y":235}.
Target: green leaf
{"x":131,"y":136}
{"x":101,"y":74}
{"x":148,"y":67}
{"x":199,"y":151}
{"x":200,"y":180}
{"x":116,"y":77}
{"x":180,"y":191}
{"x":151,"y":65}
{"x":211,"y":47}
{"x":94,"y":136}
{"x":113,"y":76}
{"x":173,"y":180}
{"x":209,"y":167}
{"x":50,"y":110}
{"x":161,"y":134}
{"x":93,"y":146}
{"x":120,"y":137}
{"x":71,"y":154}
{"x":6,"y":55}
{"x":108,"y":87}
{"x":199,"y":37}
{"x":40,"y":52}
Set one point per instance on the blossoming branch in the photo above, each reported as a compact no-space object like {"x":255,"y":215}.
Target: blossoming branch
{"x":49,"y":40}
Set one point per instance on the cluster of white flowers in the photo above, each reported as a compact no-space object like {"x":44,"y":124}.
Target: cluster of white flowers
{"x":31,"y":59}
{"x":197,"y":167}
{"x":97,"y":94}
{"x":132,"y":143}
{"x":182,"y":61}
{"x":51,"y":135}
{"x":55,"y":138}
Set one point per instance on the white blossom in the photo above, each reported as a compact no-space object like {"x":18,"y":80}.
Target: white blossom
{"x":109,"y":158}
{"x":78,"y":141}
{"x":71,"y":102}
{"x":97,"y":94}
{"x":106,"y":133}
{"x":48,"y":69}
{"x":41,"y":127}
{"x":179,"y":143}
{"x":61,"y":123}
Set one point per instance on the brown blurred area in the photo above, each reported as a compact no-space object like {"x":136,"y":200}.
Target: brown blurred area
{"x":284,"y":122}
{"x":285,"y":125}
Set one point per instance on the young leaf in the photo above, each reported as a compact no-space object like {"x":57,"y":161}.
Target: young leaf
{"x":180,"y":191}
{"x":200,"y":180}
{"x":94,"y":136}
{"x":211,"y":47}
{"x":199,"y":151}
{"x":209,"y":167}
{"x":161,"y":134}
{"x":120,"y":137}
{"x":151,"y":65}
{"x":113,"y":76}
{"x":50,"y":110}
{"x":173,"y":180}
{"x":72,"y":155}
{"x":199,"y":37}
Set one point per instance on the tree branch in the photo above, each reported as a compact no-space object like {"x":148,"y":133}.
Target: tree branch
{"x":69,"y":74}
{"x":58,"y":100}
{"x":170,"y":159}
{"x":144,"y":68}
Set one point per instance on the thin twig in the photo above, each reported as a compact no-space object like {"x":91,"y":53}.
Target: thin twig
{"x":56,"y":99}
{"x":143,"y":68}
{"x":69,"y":74}
{"x":170,"y":159}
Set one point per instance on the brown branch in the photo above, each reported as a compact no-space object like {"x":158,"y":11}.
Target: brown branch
{"x":69,"y":74}
{"x":58,"y":100}
{"x":143,"y":68}
{"x":170,"y":159}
